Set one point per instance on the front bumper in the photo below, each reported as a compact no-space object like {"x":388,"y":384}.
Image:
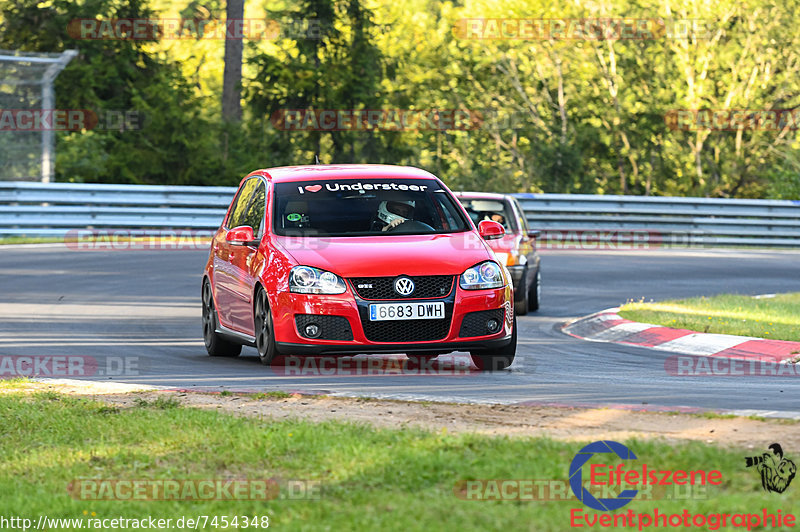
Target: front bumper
{"x":404,"y":336}
{"x":286,"y":348}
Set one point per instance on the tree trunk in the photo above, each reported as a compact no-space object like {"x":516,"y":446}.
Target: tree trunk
{"x":232,"y":77}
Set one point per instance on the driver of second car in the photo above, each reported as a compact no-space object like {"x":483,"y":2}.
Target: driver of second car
{"x":393,"y":213}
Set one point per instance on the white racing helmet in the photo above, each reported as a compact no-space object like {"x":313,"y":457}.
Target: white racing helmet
{"x":389,"y":211}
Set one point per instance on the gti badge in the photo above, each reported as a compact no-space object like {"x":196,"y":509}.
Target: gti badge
{"x":404,"y":286}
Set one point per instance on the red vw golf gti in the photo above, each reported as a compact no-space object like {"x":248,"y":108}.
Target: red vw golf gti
{"x":351,"y":259}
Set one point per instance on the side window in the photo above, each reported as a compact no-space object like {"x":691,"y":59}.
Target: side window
{"x":239,"y":208}
{"x":523,"y":221}
{"x":254,"y":214}
{"x":446,"y":211}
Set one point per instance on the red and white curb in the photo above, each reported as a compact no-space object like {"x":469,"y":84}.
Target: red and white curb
{"x":608,"y":326}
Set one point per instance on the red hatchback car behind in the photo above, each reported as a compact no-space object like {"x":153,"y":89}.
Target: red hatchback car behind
{"x":352,"y":259}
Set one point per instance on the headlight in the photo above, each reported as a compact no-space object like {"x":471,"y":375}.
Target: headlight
{"x":484,"y":275}
{"x":308,"y":280}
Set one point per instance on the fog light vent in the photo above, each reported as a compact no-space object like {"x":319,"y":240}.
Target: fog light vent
{"x":322,"y":327}
{"x":482,"y":323}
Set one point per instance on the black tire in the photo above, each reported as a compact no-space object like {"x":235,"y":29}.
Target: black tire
{"x":497,"y":359}
{"x":265,"y":339}
{"x":521,"y":307}
{"x":535,"y":292}
{"x":216,"y":345}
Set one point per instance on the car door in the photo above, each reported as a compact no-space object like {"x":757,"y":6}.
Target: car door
{"x":243,"y":259}
{"x":228,"y":260}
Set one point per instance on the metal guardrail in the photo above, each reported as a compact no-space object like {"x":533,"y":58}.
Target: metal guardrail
{"x":680,"y":221}
{"x":53,"y":209}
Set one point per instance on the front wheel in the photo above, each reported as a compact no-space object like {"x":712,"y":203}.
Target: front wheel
{"x":265,"y":337}
{"x":497,"y":359}
{"x":535,"y":292}
{"x":216,"y":345}
{"x":521,"y":307}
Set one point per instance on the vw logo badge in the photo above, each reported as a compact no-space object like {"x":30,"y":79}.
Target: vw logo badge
{"x":404,"y":286}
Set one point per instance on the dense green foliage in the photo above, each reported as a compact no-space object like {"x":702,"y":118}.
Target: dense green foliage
{"x":558,"y":115}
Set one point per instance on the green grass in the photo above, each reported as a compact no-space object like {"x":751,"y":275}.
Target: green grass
{"x":275,"y":394}
{"x":776,"y":318}
{"x":161,"y":402}
{"x":15,"y":383}
{"x":372,"y":479}
{"x":29,"y":240}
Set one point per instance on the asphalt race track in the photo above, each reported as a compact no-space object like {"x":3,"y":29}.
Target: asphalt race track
{"x":140,"y":310}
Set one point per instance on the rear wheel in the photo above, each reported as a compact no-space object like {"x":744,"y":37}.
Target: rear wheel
{"x":535,"y":292}
{"x":497,"y":359}
{"x":265,"y":338}
{"x":216,"y":345}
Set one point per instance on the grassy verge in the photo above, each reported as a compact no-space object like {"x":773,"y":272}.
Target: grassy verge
{"x":777,"y":318}
{"x":371,"y":479}
{"x":29,"y":240}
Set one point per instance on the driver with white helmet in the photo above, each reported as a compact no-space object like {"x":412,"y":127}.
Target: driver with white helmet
{"x":393,"y":213}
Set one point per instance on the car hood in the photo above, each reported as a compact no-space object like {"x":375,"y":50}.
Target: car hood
{"x":441,"y":254}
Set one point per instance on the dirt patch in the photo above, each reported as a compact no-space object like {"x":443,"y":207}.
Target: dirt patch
{"x":557,"y":422}
{"x":498,"y":420}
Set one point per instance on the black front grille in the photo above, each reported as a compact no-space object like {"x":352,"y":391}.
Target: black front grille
{"x":425,"y":287}
{"x":331,"y":327}
{"x":474,"y":323}
{"x":406,"y":331}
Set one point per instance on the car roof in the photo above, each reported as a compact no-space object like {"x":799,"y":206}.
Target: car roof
{"x":483,"y":195}
{"x":324,"y":172}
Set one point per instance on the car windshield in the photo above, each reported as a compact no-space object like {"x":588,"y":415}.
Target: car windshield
{"x":484,"y":209}
{"x":360,"y":207}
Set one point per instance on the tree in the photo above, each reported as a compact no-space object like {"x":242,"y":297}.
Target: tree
{"x":332,"y":63}
{"x":232,"y":76}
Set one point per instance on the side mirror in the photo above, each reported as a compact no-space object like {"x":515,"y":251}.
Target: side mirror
{"x":534,"y":234}
{"x":490,"y":230}
{"x":240,"y":236}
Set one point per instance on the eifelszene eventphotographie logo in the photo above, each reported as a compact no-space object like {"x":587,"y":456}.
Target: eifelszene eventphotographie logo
{"x":576,"y":475}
